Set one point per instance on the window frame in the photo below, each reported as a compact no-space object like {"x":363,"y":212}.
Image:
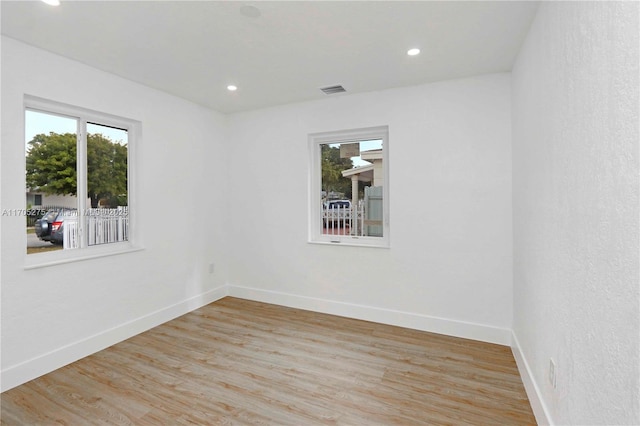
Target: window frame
{"x":84,"y":116}
{"x":315,"y":140}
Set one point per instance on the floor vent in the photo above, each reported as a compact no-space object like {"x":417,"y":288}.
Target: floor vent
{"x":330,"y":90}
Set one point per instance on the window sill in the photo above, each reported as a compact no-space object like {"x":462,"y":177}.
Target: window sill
{"x":44,"y":260}
{"x":353,"y":242}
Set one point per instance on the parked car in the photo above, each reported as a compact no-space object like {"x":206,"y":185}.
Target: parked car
{"x":336,"y":212}
{"x":51,"y":226}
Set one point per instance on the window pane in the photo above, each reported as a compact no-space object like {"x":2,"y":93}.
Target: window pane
{"x":107,"y":221}
{"x":352,"y":181}
{"x":51,"y":177}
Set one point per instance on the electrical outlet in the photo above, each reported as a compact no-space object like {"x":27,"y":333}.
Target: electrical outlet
{"x":211,"y":268}
{"x":553,"y":370}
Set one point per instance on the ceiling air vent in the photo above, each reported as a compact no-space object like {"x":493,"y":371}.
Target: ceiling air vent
{"x":330,"y":90}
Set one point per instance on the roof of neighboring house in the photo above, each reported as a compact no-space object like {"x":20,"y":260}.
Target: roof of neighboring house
{"x":373,"y":154}
{"x":364,"y":173}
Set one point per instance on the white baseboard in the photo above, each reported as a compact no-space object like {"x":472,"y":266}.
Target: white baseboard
{"x":36,"y":367}
{"x":28,"y":370}
{"x":533,"y":391}
{"x":467,"y":330}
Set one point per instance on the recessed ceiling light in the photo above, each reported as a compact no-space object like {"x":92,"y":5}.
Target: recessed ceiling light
{"x":52,"y":2}
{"x":232,"y":88}
{"x":413,"y":52}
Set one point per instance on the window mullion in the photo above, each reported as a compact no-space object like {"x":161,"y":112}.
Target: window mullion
{"x":60,"y":134}
{"x":82,"y":181}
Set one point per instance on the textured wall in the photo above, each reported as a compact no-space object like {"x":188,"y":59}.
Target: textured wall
{"x":576,"y":215}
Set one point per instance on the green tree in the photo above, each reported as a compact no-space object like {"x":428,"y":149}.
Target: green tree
{"x":51,"y":164}
{"x":332,"y":167}
{"x":51,"y":167}
{"x":106,"y":171}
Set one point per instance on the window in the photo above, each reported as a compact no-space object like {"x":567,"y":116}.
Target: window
{"x":78,"y":179}
{"x":349,"y":187}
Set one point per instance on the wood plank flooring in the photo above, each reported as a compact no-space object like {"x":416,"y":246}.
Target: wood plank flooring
{"x":241,"y":362}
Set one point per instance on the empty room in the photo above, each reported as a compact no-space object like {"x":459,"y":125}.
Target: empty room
{"x":300,"y":213}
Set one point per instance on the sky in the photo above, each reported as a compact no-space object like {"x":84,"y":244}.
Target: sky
{"x":38,"y":122}
{"x":364,"y":146}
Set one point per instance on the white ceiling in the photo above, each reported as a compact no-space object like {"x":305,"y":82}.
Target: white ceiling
{"x":194,"y":49}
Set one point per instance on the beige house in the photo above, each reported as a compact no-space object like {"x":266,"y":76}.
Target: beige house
{"x":368,"y":173}
{"x":38,"y":199}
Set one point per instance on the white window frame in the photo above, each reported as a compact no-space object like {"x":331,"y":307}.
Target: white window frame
{"x":83,"y":116}
{"x":315,"y":140}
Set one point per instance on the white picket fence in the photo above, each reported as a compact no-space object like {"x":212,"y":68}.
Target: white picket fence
{"x":103,"y":226}
{"x":343,"y":220}
{"x":350,"y":221}
{"x":363,"y":219}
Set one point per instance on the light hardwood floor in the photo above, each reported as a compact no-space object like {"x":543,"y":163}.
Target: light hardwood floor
{"x":241,"y":362}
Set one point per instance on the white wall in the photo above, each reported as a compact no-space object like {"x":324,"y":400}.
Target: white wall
{"x":576,"y":215}
{"x":449,"y":268}
{"x":53,"y":315}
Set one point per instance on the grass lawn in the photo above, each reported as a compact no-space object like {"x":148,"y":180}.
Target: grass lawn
{"x":32,"y":250}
